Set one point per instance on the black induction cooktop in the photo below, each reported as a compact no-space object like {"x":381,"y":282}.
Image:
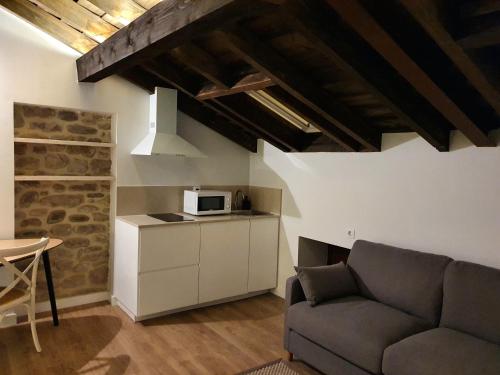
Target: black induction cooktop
{"x":170,"y":218}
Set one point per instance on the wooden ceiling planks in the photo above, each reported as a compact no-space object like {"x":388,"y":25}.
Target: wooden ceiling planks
{"x":352,"y":79}
{"x":429,"y":15}
{"x":125,"y":10}
{"x":354,"y":14}
{"x":351,"y":54}
{"x":79,"y":18}
{"x":173,"y":26}
{"x":50,"y":24}
{"x":263,"y":58}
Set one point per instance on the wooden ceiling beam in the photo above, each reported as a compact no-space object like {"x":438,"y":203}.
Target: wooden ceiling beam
{"x":202,"y":63}
{"x":479,"y":8}
{"x":50,"y":24}
{"x":216,"y":122}
{"x":246,"y":125}
{"x":177,"y":79}
{"x":429,"y":17}
{"x":485,"y":38}
{"x":267,"y":61}
{"x":80,"y":18}
{"x":356,"y":57}
{"x":248,"y":110}
{"x":309,"y":115}
{"x":194,"y":109}
{"x":356,"y":16}
{"x":168,"y":25}
{"x":250,"y":82}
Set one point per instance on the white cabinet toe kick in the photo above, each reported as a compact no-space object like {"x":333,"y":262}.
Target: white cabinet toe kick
{"x":165,"y":269}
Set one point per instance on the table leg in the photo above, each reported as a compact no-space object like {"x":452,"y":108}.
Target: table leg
{"x":50,"y":287}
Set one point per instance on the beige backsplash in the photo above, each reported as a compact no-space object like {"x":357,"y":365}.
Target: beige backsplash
{"x":135,"y":200}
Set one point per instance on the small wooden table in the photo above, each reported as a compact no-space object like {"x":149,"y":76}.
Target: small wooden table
{"x":53,"y":243}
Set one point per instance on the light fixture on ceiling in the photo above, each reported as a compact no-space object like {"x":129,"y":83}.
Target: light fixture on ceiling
{"x":282,"y":110}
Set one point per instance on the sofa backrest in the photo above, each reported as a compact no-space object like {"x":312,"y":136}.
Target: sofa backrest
{"x":408,"y":280}
{"x":471,"y":302}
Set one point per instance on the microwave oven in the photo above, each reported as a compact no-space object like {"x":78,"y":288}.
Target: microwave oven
{"x":207,"y":202}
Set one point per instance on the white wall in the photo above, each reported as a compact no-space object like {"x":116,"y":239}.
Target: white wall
{"x":408,"y":195}
{"x":37,"y":69}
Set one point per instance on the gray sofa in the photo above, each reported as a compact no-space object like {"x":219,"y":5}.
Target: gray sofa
{"x":415,"y":314}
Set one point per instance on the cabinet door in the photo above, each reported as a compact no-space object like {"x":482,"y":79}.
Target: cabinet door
{"x":263,"y":259}
{"x":169,"y":246}
{"x":223,"y":260}
{"x":168,"y":289}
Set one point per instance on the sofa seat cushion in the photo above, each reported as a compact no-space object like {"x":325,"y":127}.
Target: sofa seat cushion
{"x":354,"y":328}
{"x":442,"y":351}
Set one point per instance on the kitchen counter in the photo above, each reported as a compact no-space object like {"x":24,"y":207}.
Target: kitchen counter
{"x":147,"y":221}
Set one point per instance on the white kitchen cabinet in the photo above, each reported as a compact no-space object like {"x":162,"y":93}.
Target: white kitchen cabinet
{"x":263,"y":257}
{"x":156,"y":268}
{"x":168,"y":289}
{"x":169,"y":246}
{"x":171,"y":267}
{"x":223,"y":260}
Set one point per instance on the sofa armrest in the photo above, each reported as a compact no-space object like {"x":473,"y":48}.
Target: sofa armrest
{"x":294,"y":293}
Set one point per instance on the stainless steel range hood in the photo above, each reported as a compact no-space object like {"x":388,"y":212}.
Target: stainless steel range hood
{"x":162,"y":138}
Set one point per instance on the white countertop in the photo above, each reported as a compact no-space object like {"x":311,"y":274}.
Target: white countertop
{"x":148,"y":221}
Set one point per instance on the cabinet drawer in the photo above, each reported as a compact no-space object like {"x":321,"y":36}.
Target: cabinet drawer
{"x":169,"y":247}
{"x":168,"y":289}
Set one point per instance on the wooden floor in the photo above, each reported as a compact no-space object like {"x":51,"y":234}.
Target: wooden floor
{"x":101,"y":339}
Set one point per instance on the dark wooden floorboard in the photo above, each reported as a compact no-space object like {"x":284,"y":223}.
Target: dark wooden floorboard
{"x":101,"y":339}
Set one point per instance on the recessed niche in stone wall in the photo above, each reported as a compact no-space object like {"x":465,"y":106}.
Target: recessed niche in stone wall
{"x":61,"y":160}
{"x":78,"y":212}
{"x":32,"y":121}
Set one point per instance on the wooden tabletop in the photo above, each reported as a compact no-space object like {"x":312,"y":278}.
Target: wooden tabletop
{"x":9,"y":244}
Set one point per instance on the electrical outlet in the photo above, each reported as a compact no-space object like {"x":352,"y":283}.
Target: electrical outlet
{"x":351,"y":233}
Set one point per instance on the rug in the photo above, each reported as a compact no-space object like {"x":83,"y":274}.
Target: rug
{"x":278,"y":367}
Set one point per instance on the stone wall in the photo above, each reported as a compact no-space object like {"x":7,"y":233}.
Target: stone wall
{"x":33,"y":121}
{"x":61,"y":160}
{"x":78,"y":212}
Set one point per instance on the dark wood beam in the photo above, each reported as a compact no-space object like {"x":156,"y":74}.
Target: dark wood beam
{"x":194,"y":109}
{"x":250,"y":82}
{"x":267,"y":61}
{"x":430,"y":18}
{"x":479,"y":8}
{"x":485,"y":38}
{"x":166,"y":26}
{"x":217,"y":123}
{"x":356,"y":16}
{"x":276,"y":128}
{"x":353,"y":55}
{"x":174,"y":77}
{"x":310,"y":115}
{"x":204,"y":64}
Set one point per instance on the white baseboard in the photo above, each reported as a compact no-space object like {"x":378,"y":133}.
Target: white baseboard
{"x":63,"y":303}
{"x":8,"y":320}
{"x":74,"y":301}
